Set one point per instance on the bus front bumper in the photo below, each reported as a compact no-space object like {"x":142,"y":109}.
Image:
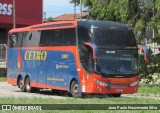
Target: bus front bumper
{"x":112,"y":86}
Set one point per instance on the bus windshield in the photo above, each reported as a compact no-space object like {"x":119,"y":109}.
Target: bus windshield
{"x":119,"y":62}
{"x":112,"y":37}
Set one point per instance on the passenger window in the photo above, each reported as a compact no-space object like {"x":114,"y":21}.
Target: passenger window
{"x":61,"y":37}
{"x":13,"y":38}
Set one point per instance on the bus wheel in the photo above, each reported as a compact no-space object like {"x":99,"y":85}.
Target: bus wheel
{"x":29,"y":89}
{"x":75,"y":90}
{"x":21,"y":85}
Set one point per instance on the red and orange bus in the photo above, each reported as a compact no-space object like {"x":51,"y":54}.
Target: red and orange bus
{"x":81,"y":57}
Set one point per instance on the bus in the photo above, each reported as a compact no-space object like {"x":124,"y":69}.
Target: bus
{"x":80,"y":57}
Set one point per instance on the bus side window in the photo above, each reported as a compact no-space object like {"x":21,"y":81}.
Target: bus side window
{"x":69,"y":37}
{"x":45,"y":37}
{"x":13,"y":38}
{"x":60,"y":37}
{"x":56,"y":38}
{"x":83,"y":35}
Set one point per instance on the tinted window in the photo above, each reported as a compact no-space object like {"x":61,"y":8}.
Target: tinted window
{"x":45,"y":37}
{"x":61,"y":37}
{"x":117,"y":62}
{"x":83,"y":35}
{"x":56,"y":38}
{"x":113,"y":37}
{"x":69,"y":37}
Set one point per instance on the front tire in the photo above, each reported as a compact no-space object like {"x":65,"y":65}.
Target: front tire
{"x":75,"y":90}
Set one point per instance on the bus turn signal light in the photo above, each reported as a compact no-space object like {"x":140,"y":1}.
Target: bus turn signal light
{"x":100,"y":82}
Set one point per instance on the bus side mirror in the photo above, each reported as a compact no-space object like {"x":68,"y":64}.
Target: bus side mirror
{"x":94,"y":49}
{"x":145,"y":50}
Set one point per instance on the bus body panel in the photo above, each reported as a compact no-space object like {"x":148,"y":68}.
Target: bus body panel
{"x":55,"y":68}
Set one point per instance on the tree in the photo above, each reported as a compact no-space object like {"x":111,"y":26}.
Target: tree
{"x":49,"y":19}
{"x":139,"y":14}
{"x":76,"y":2}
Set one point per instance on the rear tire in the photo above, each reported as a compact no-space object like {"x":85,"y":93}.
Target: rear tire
{"x":75,"y":90}
{"x":21,"y":85}
{"x":29,"y":89}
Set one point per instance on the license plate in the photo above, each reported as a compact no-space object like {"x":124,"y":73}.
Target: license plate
{"x":119,"y":90}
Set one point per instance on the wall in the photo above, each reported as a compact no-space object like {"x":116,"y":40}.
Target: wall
{"x":28,"y":12}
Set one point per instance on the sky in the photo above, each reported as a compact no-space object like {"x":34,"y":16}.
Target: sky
{"x":54,"y":8}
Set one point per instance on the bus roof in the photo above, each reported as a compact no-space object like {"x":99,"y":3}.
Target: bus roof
{"x":71,"y":24}
{"x":106,"y":24}
{"x":47,"y":26}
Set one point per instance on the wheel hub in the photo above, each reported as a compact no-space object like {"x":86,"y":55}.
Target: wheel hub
{"x":76,"y":89}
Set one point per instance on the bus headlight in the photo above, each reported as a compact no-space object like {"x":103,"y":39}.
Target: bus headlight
{"x":100,"y":82}
{"x":134,"y":83}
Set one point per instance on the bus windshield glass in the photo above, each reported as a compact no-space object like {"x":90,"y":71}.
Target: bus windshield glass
{"x":112,"y":37}
{"x":119,"y":62}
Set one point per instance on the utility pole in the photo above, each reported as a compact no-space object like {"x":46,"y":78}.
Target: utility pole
{"x":153,"y":35}
{"x":14,"y":14}
{"x":75,"y":15}
{"x":81,"y":10}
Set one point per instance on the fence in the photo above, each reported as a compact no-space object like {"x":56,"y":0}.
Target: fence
{"x":2,"y":56}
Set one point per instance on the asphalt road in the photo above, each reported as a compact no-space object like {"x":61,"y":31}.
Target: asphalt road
{"x":7,"y":90}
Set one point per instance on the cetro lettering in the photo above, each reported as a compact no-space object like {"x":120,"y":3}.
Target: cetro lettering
{"x":35,"y":55}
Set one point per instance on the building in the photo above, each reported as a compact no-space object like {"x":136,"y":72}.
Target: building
{"x":28,"y":12}
{"x":68,"y":17}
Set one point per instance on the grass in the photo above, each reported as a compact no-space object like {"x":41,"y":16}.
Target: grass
{"x":149,"y":89}
{"x":144,"y":89}
{"x":81,"y":101}
{"x":3,"y":79}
